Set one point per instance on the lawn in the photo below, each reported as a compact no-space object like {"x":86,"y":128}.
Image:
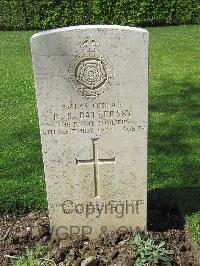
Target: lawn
{"x":174,"y":125}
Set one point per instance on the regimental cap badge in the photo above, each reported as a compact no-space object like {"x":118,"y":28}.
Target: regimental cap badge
{"x":91,"y":74}
{"x":90,"y":44}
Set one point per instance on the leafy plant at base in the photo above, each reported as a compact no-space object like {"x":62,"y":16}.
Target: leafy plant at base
{"x":148,"y":251}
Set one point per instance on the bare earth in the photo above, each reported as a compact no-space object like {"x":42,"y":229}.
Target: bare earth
{"x":16,"y":233}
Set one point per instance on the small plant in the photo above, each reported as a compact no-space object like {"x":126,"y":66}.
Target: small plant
{"x":149,"y":251}
{"x":34,"y":257}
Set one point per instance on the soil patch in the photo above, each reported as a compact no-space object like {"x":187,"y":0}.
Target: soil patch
{"x":16,"y":233}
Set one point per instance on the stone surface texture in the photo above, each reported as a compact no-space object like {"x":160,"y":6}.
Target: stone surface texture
{"x":91,"y":87}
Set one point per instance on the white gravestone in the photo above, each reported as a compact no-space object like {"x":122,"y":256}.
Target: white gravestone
{"x":91,"y":86}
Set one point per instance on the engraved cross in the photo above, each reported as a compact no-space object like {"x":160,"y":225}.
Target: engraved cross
{"x":96,"y":162}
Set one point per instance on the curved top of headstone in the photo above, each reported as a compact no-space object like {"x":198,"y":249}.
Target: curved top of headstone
{"x":84,"y":27}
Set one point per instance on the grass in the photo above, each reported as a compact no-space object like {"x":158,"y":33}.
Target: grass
{"x":34,"y":257}
{"x":174,"y":128}
{"x":174,"y":125}
{"x":22,"y":179}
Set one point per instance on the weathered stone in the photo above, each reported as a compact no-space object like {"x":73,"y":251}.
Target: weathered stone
{"x":91,"y":84}
{"x":90,"y":261}
{"x":39,"y":231}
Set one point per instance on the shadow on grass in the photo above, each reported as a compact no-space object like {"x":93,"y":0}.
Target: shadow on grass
{"x":173,"y":149}
{"x":167,"y":208}
{"x":185,"y":99}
